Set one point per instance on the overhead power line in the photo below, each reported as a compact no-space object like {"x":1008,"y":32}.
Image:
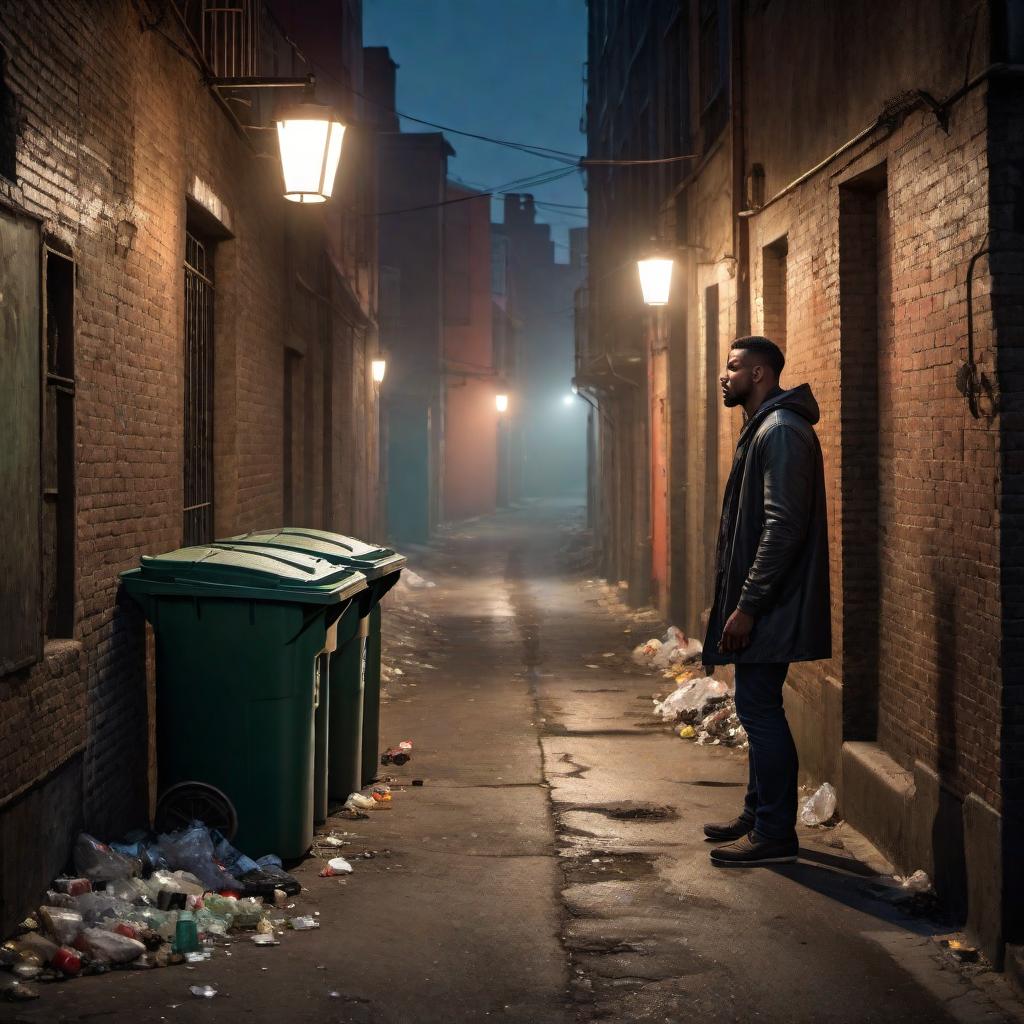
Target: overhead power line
{"x":509,"y":188}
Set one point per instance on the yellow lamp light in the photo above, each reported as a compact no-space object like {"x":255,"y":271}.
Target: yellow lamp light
{"x":309,"y":135}
{"x":501,"y":403}
{"x":655,"y":279}
{"x":378,"y":367}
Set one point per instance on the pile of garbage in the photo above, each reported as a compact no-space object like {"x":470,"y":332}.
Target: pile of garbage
{"x":704,"y":710}
{"x":669,"y":652}
{"x":151,"y":901}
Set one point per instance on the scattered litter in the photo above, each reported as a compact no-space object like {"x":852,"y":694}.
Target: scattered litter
{"x":203,"y":991}
{"x":304,"y":924}
{"x":918,"y":882}
{"x":264,"y":940}
{"x":674,"y":648}
{"x":397,"y":755}
{"x":330,"y":841}
{"x":414,"y":580}
{"x":691,"y":698}
{"x":961,"y":951}
{"x":820,"y":806}
{"x":687,"y":732}
{"x":336,"y":866}
{"x":17,"y":991}
{"x":417,"y":782}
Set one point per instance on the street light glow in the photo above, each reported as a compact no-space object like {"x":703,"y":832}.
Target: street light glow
{"x":501,"y":403}
{"x":567,"y":400}
{"x":655,"y":279}
{"x":309,"y":136}
{"x":378,"y":367}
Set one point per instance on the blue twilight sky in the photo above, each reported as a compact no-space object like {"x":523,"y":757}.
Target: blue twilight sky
{"x":510,"y":69}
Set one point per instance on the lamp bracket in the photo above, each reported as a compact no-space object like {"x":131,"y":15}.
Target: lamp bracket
{"x":253,"y":82}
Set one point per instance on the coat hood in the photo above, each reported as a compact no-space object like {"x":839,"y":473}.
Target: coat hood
{"x":799,"y":399}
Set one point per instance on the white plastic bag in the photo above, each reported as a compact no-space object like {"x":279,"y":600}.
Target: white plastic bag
{"x":644,"y":654}
{"x":820,"y":806}
{"x":691,"y":696}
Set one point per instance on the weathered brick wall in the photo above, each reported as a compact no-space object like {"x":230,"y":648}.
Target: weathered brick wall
{"x":117,"y":137}
{"x":936,"y":540}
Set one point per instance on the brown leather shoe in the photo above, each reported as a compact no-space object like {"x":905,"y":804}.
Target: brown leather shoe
{"x":752,"y":850}
{"x":726,"y":831}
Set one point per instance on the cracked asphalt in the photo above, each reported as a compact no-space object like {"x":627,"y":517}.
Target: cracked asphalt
{"x":551,"y":869}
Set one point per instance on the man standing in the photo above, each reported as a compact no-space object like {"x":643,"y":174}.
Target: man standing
{"x":771,"y":603}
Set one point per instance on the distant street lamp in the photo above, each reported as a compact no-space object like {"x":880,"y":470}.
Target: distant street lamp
{"x":501,"y":403}
{"x":309,"y":135}
{"x":378,"y":367}
{"x":655,"y":278}
{"x":567,"y":399}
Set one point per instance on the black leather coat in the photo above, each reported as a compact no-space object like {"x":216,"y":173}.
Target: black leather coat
{"x":772,"y":557}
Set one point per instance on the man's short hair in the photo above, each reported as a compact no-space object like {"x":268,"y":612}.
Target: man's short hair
{"x":764,"y":347}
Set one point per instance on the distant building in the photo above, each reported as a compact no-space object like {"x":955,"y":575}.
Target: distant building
{"x":864,"y":212}
{"x":541,"y":290}
{"x":412,"y":176}
{"x":471,"y":376}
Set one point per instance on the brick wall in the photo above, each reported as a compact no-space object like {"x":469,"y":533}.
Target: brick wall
{"x":118,"y":139}
{"x":933,"y":483}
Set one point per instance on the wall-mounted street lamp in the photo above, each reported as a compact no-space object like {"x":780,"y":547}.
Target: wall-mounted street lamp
{"x":501,"y":403}
{"x":656,"y":278}
{"x":378,"y":367}
{"x":309,"y":136}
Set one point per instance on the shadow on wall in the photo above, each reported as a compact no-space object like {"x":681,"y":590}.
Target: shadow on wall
{"x":116,"y":793}
{"x":948,"y":827}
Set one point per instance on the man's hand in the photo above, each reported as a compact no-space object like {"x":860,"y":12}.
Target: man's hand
{"x":736,"y":635}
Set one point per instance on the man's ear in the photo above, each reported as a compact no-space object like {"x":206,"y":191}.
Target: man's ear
{"x":757,"y":373}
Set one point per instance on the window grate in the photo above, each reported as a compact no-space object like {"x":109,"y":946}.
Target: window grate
{"x":198,"y":509}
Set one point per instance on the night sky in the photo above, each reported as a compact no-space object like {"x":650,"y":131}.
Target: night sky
{"x":507,"y":70}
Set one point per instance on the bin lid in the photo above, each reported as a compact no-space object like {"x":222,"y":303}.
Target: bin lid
{"x":371,"y":559}
{"x":246,"y":571}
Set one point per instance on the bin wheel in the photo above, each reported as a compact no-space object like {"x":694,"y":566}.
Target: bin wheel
{"x":186,"y":802}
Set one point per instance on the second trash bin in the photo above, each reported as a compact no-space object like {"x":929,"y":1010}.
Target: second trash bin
{"x":239,"y":635}
{"x":353,"y":704}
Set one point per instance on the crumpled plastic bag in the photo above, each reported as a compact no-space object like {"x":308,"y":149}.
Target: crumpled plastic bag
{"x":191,"y":850}
{"x":108,"y":947}
{"x":99,"y":863}
{"x":414,"y":580}
{"x":96,"y":906}
{"x":644,"y":654}
{"x":692,"y":696}
{"x":819,"y":806}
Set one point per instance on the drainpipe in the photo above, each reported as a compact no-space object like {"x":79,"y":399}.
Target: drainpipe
{"x":740,"y":226}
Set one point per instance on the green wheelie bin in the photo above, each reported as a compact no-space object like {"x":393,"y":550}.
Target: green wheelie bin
{"x":352,"y":729}
{"x":240,"y":631}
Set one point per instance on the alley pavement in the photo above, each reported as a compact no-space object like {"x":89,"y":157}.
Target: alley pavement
{"x":551,"y":867}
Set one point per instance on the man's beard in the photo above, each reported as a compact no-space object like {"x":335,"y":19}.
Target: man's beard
{"x":730,"y":400}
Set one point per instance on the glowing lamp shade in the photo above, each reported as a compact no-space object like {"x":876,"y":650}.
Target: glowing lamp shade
{"x":377,"y":369}
{"x":309,"y":135}
{"x":567,"y":400}
{"x":501,"y":403}
{"x":655,"y":279}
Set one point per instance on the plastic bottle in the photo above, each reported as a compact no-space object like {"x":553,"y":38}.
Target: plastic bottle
{"x":186,"y":935}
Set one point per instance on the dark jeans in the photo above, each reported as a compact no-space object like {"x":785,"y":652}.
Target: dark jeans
{"x":771,"y":793}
